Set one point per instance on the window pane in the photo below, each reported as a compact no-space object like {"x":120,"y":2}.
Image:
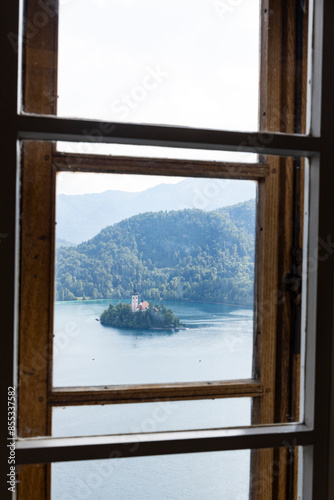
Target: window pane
{"x":154,"y":280}
{"x":186,"y":62}
{"x":215,"y":475}
{"x":196,"y":476}
{"x":150,"y":417}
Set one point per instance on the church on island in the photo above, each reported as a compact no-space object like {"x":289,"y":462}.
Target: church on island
{"x":123,"y":316}
{"x":142,"y":306}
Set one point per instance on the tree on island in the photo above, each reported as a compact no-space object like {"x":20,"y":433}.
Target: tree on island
{"x":121,"y":316}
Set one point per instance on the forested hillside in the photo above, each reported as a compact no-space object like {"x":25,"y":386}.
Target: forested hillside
{"x":81,"y":217}
{"x":185,"y":254}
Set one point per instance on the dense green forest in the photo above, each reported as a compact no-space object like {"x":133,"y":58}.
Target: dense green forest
{"x":184,"y":255}
{"x":121,"y":316}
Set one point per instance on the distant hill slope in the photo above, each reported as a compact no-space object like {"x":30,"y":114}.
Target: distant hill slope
{"x":242,"y":214}
{"x":185,"y":254}
{"x":64,"y":243}
{"x":80,"y":217}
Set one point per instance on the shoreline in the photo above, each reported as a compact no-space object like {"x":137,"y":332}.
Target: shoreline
{"x":150,"y":328}
{"x":81,"y":301}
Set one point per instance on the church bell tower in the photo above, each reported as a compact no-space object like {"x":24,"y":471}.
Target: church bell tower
{"x":134,"y":301}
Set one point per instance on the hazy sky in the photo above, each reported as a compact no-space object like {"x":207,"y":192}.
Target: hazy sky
{"x":78,"y":183}
{"x":175,"y":62}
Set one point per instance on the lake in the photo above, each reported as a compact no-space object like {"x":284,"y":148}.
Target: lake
{"x":217,"y":345}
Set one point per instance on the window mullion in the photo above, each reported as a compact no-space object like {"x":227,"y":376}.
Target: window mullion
{"x":49,"y":128}
{"x":44,"y":450}
{"x":155,"y":392}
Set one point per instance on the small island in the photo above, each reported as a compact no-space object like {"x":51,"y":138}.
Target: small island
{"x":139,"y":316}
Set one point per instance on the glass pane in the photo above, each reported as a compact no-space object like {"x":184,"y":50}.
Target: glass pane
{"x":185,"y":63}
{"x":197,"y":476}
{"x":150,"y":417}
{"x":154,"y":280}
{"x":228,"y":475}
{"x":188,"y":62}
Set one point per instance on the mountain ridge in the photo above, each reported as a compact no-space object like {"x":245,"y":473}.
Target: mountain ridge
{"x":80,"y":217}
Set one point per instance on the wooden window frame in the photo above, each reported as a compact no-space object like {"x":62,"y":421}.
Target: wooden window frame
{"x":41,"y":162}
{"x":275,"y":177}
{"x":32,"y":128}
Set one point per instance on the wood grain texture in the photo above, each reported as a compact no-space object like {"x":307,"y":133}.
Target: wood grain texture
{"x":265,"y":329}
{"x":271,"y":67}
{"x":279,"y":109}
{"x":151,"y":393}
{"x":154,"y":166}
{"x":32,"y":482}
{"x":39,"y":95}
{"x":37,"y":243}
{"x":259,"y":283}
{"x":284,"y":313}
{"x":263,"y":474}
{"x":267,"y":308}
{"x":40,"y":57}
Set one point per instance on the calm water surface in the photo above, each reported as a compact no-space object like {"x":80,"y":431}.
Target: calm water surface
{"x":216,"y":345}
